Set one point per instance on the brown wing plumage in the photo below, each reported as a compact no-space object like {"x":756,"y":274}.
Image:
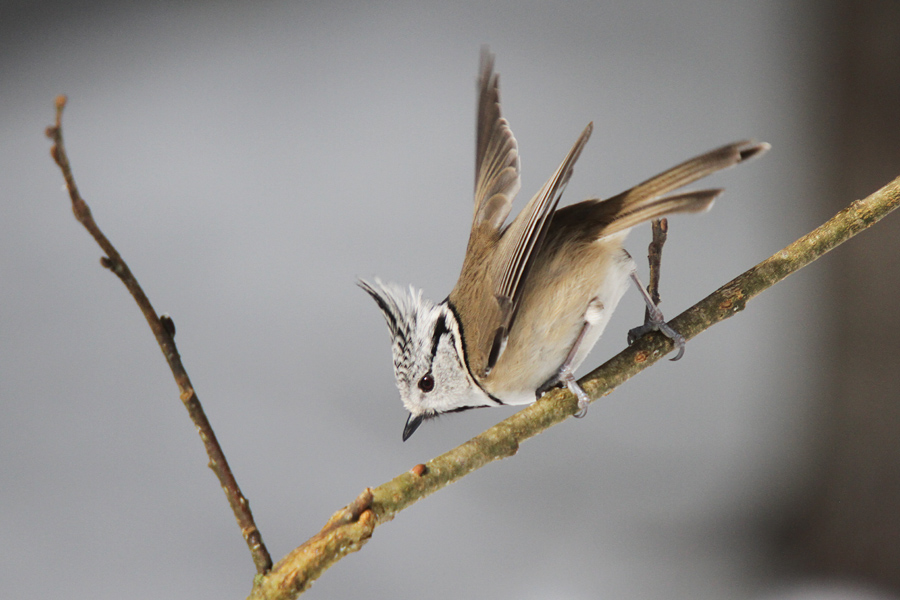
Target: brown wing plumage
{"x":496,"y":153}
{"x":581,"y":260}
{"x":497,"y":259}
{"x":520,"y":244}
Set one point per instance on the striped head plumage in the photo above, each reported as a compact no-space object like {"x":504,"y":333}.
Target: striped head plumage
{"x":429,"y":356}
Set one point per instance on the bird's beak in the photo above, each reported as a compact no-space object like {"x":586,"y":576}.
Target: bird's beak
{"x":412,"y":423}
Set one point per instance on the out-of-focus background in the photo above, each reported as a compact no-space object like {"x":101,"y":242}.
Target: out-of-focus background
{"x":250,"y":160}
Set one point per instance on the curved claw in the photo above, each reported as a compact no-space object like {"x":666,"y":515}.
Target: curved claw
{"x":583,"y":399}
{"x":676,"y":337}
{"x":655,"y":321}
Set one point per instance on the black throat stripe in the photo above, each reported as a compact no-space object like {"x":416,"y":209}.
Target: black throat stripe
{"x":465,"y":356}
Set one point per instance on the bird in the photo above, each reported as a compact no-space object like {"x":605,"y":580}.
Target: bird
{"x":534,"y":294}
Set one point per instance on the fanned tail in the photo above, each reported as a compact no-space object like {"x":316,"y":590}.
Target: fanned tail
{"x":649,"y":200}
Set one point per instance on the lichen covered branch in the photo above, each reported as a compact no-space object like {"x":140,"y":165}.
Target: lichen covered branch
{"x":298,"y":569}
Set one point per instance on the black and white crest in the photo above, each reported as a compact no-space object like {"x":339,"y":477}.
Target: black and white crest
{"x":404,"y":310}
{"x":429,"y":361}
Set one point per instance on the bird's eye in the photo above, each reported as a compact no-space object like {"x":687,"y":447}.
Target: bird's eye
{"x":426,"y":384}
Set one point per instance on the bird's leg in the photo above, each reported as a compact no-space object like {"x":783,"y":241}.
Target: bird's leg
{"x":565,"y":373}
{"x":653,"y":318}
{"x":655,"y":321}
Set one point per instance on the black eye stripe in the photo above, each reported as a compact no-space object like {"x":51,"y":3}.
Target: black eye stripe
{"x":440,"y":328}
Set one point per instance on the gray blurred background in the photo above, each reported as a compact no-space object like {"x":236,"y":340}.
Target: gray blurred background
{"x":251,"y":160}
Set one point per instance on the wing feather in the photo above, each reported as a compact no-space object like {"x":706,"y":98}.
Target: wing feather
{"x":523,"y":237}
{"x":522,"y":241}
{"x":496,"y":153}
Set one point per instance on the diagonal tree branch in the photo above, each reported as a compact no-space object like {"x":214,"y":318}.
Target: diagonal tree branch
{"x":351,"y":527}
{"x":164,"y":331}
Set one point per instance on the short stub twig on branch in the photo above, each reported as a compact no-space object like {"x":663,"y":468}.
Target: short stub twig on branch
{"x":346,"y":531}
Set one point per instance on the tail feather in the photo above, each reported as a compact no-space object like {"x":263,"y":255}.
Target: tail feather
{"x":691,"y":170}
{"x":686,"y":202}
{"x":653,"y":198}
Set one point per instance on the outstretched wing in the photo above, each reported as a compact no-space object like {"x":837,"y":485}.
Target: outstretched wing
{"x":496,"y":154}
{"x":522,"y":241}
{"x":497,"y":259}
{"x":524,"y":235}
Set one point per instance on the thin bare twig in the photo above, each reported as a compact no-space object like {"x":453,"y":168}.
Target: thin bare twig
{"x":660,"y":230}
{"x":351,"y":527}
{"x":164,"y":332}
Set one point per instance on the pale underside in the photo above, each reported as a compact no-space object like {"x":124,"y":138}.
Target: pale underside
{"x":553,"y":310}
